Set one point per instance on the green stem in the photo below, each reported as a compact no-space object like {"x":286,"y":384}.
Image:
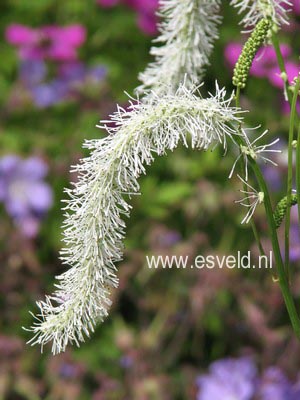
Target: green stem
{"x":281,"y":65}
{"x":283,"y":282}
{"x":282,"y":279}
{"x":237,"y":97}
{"x":253,"y":226}
{"x":290,"y":176}
{"x":257,"y":238}
{"x":298,"y":172}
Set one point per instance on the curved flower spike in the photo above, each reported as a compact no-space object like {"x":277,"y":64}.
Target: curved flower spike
{"x":93,"y":227}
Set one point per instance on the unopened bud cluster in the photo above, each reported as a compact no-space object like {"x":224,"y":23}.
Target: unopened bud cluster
{"x":243,"y":65}
{"x":281,"y":208}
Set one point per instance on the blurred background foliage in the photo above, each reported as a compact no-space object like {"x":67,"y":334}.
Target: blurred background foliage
{"x":166,"y":326}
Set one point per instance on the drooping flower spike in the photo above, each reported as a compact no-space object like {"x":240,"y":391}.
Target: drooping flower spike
{"x":252,"y":199}
{"x":275,"y":10}
{"x":188,"y":32}
{"x":94,"y":228}
{"x":255,"y":151}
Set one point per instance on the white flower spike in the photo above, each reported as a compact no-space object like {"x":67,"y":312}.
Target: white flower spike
{"x":252,"y":199}
{"x":188,"y":32}
{"x":255,"y":10}
{"x":94,"y":228}
{"x":251,"y":149}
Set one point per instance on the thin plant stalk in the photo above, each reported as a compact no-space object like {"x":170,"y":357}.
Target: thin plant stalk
{"x":282,"y":278}
{"x":298,"y":172}
{"x":281,"y":64}
{"x":253,"y":226}
{"x":290,"y":176}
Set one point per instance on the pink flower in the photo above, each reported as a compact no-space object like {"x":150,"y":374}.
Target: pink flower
{"x":295,"y":6}
{"x":147,"y":20}
{"x":232,"y":53}
{"x":286,"y":109}
{"x":147,"y":23}
{"x":20,"y":35}
{"x":266,"y":60}
{"x":292,"y":70}
{"x":48,"y":42}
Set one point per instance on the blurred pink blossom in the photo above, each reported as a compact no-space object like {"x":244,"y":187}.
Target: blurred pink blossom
{"x":295,"y":6}
{"x":48,"y":42}
{"x":286,"y":109}
{"x":292,"y":70}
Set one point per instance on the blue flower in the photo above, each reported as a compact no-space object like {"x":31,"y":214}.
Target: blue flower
{"x":32,"y":72}
{"x":25,"y":195}
{"x":228,"y":379}
{"x":48,"y":94}
{"x":274,"y":385}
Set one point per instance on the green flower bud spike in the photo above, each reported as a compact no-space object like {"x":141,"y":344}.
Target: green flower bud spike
{"x":281,"y":208}
{"x":243,"y":65}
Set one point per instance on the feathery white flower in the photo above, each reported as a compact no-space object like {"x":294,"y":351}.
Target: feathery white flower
{"x":252,"y":199}
{"x":256,"y":152}
{"x":255,"y":10}
{"x":187,"y":35}
{"x":93,"y":228}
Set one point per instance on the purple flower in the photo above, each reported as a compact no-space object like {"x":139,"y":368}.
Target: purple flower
{"x":73,"y":71}
{"x":228,"y":379}
{"x":296,"y":391}
{"x":24,"y":194}
{"x":126,"y":361}
{"x":32,"y":72}
{"x":294,"y":236}
{"x":97,"y":73}
{"x":71,"y":78}
{"x":274,"y":385}
{"x":48,"y":94}
{"x":49,"y":42}
{"x":273,"y":176}
{"x":78,"y":73}
{"x":170,"y":238}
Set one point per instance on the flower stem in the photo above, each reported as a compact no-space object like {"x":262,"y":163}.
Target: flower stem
{"x":298,"y":172}
{"x":253,"y":226}
{"x":237,"y":97}
{"x":281,"y":65}
{"x":290,"y":176}
{"x":283,"y":281}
